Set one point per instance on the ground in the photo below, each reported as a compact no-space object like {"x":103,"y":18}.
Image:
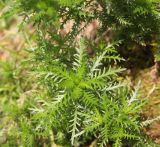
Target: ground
{"x":150,"y":90}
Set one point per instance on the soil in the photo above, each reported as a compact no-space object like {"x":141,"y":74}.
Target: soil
{"x":150,"y":91}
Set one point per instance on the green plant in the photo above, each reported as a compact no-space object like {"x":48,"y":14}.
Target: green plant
{"x":89,"y":102}
{"x":16,"y":86}
{"x":81,"y":99}
{"x":130,"y":20}
{"x":85,"y":102}
{"x":134,"y":22}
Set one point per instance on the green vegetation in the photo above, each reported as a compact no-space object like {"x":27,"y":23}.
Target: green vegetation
{"x":68,"y":90}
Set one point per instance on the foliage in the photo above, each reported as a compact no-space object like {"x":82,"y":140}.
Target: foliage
{"x":15,"y":87}
{"x":85,"y":102}
{"x":131,"y":20}
{"x":134,"y":22}
{"x":81,"y":98}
